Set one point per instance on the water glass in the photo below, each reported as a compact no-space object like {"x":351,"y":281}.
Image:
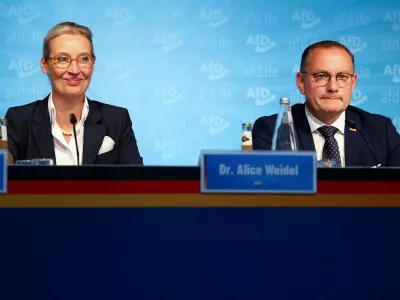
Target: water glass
{"x":328,"y":163}
{"x":35,"y":162}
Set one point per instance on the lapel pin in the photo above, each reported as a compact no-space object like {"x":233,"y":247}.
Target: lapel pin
{"x":353,"y":129}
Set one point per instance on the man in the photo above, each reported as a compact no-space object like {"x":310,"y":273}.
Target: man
{"x":326,"y":123}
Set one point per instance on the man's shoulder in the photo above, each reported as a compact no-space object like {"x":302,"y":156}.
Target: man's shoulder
{"x":264,"y":122}
{"x":364,"y":116}
{"x":374,"y":125}
{"x":271,"y":119}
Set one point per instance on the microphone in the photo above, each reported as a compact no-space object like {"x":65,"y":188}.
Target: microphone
{"x":73,"y":120}
{"x":353,"y":126}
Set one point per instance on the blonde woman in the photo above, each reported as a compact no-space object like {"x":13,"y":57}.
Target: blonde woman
{"x":43,"y":129}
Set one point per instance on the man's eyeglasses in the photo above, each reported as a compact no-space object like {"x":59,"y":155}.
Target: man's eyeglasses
{"x":322,"y":79}
{"x":63,"y":61}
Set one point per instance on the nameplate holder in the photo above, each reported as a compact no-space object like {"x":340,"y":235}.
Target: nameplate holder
{"x":263,"y":172}
{"x":3,"y":171}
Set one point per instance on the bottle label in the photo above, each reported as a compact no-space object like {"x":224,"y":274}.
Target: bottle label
{"x":247,"y":138}
{"x":290,"y":118}
{"x":3,"y":136}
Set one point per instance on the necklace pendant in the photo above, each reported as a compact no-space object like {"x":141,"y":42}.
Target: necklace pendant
{"x":67,"y":133}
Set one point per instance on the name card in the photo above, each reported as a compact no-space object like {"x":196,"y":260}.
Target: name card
{"x":3,"y":171}
{"x":258,"y":172}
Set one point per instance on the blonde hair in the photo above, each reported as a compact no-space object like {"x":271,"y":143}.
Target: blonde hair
{"x":66,"y":28}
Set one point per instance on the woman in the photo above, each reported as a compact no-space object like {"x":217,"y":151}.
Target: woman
{"x":44,"y":129}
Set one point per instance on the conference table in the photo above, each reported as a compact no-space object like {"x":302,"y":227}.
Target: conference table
{"x":126,"y":232}
{"x":127,"y":186}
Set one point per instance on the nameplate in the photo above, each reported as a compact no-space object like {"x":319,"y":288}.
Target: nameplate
{"x":3,"y":171}
{"x":258,"y":172}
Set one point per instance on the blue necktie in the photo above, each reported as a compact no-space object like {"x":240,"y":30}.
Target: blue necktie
{"x":331,"y":148}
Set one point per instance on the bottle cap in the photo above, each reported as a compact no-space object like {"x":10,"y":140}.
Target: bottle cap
{"x":284,"y":101}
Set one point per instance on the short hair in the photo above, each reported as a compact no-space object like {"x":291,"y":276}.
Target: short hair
{"x":66,"y":28}
{"x":322,"y":44}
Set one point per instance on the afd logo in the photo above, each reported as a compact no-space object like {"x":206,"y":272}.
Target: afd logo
{"x":214,"y":95}
{"x":390,"y":97}
{"x":358,"y":97}
{"x":23,"y":67}
{"x":352,"y":19}
{"x":23,"y":13}
{"x":260,"y":95}
{"x":307,"y":19}
{"x":171,"y":124}
{"x":393,"y":71}
{"x":167,"y":41}
{"x":168,"y":148}
{"x":396,"y":123}
{"x":393,"y":18}
{"x":295,"y":69}
{"x":121,"y":70}
{"x":301,"y":42}
{"x":217,"y":144}
{"x":296,"y":97}
{"x":214,"y":17}
{"x":390,"y":44}
{"x":215,"y":124}
{"x":214,"y":70}
{"x":363,"y":72}
{"x":120,"y":15}
{"x":168,"y":95}
{"x":261,"y":43}
{"x":354,"y":43}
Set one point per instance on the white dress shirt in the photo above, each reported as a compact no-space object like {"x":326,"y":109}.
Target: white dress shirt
{"x":319,"y":139}
{"x":66,"y":152}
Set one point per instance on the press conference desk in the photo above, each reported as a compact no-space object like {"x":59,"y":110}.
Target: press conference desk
{"x":126,"y":186}
{"x":147,"y":233}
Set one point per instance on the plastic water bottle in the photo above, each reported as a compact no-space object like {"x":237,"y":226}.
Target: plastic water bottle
{"x":285,"y":136}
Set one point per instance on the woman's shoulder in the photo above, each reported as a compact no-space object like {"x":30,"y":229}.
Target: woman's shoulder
{"x":107,"y":108}
{"x":25,"y":110}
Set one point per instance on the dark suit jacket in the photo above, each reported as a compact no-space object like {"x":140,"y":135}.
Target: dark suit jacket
{"x":378,"y":131}
{"x":29,"y":133}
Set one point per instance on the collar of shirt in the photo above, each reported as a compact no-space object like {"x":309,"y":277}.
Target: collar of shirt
{"x":315,"y":123}
{"x":53,"y":113}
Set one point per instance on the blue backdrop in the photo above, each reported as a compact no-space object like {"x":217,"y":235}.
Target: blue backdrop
{"x":190,"y":72}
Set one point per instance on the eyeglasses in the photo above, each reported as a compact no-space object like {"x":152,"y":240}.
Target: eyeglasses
{"x":322,"y":79}
{"x":84,"y":61}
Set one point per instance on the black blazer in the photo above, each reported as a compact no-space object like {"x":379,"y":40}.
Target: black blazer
{"x":29,"y":133}
{"x":378,"y":131}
